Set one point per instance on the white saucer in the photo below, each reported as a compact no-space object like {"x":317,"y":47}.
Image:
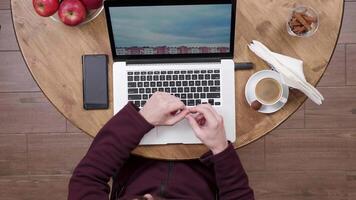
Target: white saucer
{"x":250,"y":86}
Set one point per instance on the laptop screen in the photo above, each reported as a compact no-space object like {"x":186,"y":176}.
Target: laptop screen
{"x":171,"y":30}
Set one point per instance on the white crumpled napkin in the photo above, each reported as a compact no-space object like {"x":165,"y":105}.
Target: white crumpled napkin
{"x":290,"y":68}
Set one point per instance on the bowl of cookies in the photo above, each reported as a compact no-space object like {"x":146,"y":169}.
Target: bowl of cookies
{"x":303,"y":21}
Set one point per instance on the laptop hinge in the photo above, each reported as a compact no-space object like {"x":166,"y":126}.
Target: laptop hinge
{"x":173,"y":60}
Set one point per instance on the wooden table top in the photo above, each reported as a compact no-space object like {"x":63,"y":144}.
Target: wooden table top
{"x":53,"y":53}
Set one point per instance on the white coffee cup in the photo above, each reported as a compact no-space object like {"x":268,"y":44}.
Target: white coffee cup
{"x":268,"y":91}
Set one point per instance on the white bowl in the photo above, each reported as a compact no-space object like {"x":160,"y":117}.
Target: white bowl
{"x":91,"y":15}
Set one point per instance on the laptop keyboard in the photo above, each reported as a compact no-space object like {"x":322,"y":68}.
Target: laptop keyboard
{"x":193,"y":87}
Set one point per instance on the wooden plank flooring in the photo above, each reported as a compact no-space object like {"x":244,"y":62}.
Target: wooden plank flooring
{"x":348,"y":32}
{"x":309,"y":149}
{"x":335,"y":75}
{"x":311,"y":156}
{"x":29,"y":112}
{"x":7,"y":35}
{"x":13,"y":154}
{"x":351,"y":64}
{"x":14,"y":75}
{"x":301,"y":185}
{"x":4,"y":4}
{"x":55,"y":153}
{"x":34,"y":187}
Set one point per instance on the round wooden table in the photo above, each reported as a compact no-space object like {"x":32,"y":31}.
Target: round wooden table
{"x":53,"y":53}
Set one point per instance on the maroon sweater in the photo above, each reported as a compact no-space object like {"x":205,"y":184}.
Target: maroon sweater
{"x":218,"y":176}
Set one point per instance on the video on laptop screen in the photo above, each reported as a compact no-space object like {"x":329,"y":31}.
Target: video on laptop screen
{"x":172,"y":29}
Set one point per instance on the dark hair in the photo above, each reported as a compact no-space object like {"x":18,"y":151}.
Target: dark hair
{"x":136,"y":197}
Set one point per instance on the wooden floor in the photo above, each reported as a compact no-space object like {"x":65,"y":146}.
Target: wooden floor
{"x":312,"y":156}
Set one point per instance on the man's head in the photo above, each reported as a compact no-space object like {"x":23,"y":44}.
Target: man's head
{"x":144,"y":197}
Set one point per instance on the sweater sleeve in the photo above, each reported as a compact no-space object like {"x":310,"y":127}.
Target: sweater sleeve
{"x":230,"y":176}
{"x":107,"y":154}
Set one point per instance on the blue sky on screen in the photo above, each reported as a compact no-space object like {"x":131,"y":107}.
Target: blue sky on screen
{"x":193,"y":25}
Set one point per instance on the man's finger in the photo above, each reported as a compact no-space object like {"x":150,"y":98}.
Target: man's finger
{"x":208,"y":114}
{"x":208,"y":106}
{"x":179,"y":116}
{"x":193,"y":123}
{"x":199,"y":118}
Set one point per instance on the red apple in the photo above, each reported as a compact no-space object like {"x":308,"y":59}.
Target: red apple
{"x":45,"y":8}
{"x":72,"y":12}
{"x":92,"y":4}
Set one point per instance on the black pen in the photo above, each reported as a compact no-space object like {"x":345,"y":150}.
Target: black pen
{"x":243,"y":66}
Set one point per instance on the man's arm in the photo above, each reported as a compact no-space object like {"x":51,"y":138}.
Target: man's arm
{"x":115,"y":141}
{"x":230,"y":176}
{"x":108,"y":152}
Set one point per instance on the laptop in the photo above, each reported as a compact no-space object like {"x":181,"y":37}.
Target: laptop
{"x":184,"y":48}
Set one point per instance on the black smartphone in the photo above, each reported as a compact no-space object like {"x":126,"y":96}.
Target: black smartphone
{"x":95,"y":82}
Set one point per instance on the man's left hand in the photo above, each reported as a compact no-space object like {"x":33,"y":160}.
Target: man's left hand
{"x":164,"y":109}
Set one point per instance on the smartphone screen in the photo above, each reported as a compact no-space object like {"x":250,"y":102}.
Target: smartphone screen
{"x":95,"y":82}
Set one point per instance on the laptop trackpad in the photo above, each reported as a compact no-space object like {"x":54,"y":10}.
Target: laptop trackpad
{"x":179,"y":133}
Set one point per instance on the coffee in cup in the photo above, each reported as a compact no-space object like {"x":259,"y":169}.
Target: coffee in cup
{"x":268,"y":91}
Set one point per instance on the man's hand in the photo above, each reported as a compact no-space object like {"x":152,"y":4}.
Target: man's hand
{"x":163,"y":109}
{"x":208,"y":126}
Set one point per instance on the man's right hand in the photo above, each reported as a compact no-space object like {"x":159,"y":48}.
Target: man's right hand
{"x":208,"y":126}
{"x":163,"y":109}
